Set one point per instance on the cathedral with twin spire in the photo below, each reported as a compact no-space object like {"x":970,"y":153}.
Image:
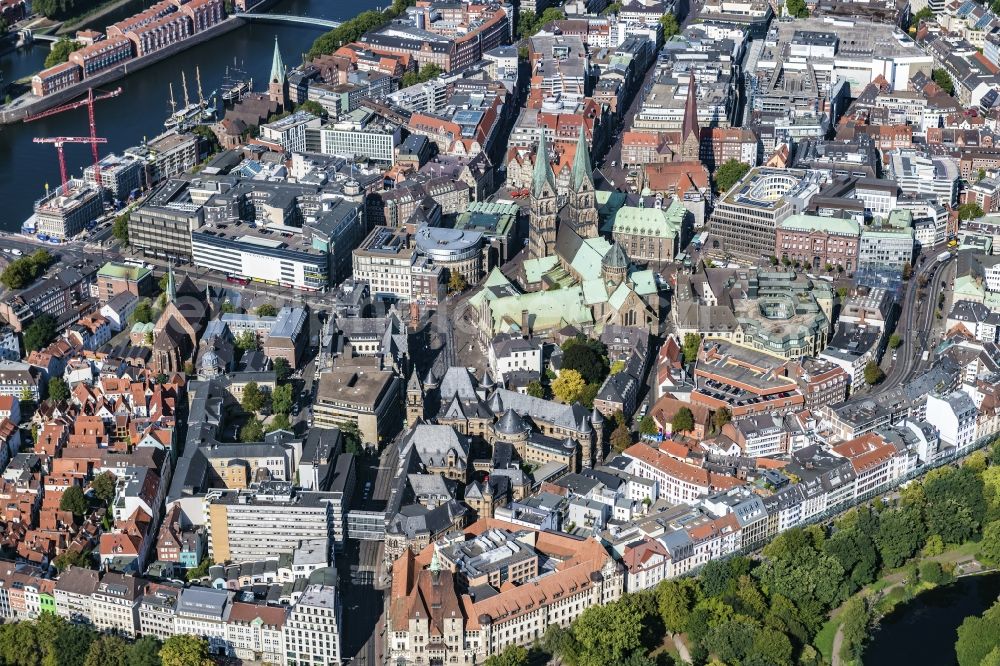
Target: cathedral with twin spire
{"x":573,"y":276}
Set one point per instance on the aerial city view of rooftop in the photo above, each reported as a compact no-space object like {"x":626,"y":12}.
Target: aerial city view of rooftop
{"x":499,"y":332}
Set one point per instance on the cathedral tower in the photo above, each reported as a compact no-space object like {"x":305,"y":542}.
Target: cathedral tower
{"x":582,"y":197}
{"x":543,"y":206}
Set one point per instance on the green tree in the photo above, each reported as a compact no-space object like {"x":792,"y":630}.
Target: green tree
{"x":252,"y":399}
{"x":279,"y":422}
{"x":185,"y":650}
{"x":143,"y":313}
{"x":252,"y":431}
{"x":692,"y":345}
{"x":535,"y":389}
{"x":228,"y":308}
{"x":608,"y":634}
{"x":514,"y":655}
{"x":457,"y":282}
{"x":586,"y":357}
{"x":942,"y":79}
{"x":675,"y":598}
{"x":719,"y":577}
{"x":617,"y":367}
{"x":721,"y":417}
{"x":352,"y":437}
{"x":731,"y":640}
{"x":425,"y":73}
{"x":931,"y":572}
{"x":104,"y":485}
{"x":978,"y":637}
{"x":647,"y":426}
{"x":873,"y":373}
{"x":797,"y":8}
{"x":107,"y":651}
{"x":71,"y":558}
{"x":313,"y":107}
{"x":970,"y":211}
{"x":621,"y":438}
{"x":670,"y":25}
{"x":855,"y":619}
{"x":989,"y":546}
{"x":730,"y":172}
{"x":856,"y":553}
{"x":899,"y":536}
{"x":955,"y":503}
{"x":282,"y":370}
{"x":568,"y":386}
{"x":200,"y":571}
{"x":58,"y":389}
{"x":74,"y":501}
{"x":683,"y":421}
{"x":61,"y":51}
{"x":40,"y":332}
{"x":282,"y":399}
{"x":144,"y":652}
{"x":246,"y":341}
{"x":266,"y":310}
{"x":120,"y":228}
{"x":19,"y":645}
{"x":895,"y":340}
{"x":924,"y":14}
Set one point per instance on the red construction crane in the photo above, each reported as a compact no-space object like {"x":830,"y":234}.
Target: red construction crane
{"x":59,"y":141}
{"x":88,"y":102}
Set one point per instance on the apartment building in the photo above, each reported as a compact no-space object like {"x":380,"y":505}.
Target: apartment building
{"x":313,"y":628}
{"x":267,"y":518}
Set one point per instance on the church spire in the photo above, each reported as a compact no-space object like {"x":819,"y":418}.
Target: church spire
{"x":543,"y":170}
{"x":171,"y":284}
{"x":583,"y":172}
{"x":691,"y":112}
{"x":277,"y":65}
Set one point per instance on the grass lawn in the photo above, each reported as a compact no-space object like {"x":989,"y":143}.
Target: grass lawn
{"x":824,"y":639}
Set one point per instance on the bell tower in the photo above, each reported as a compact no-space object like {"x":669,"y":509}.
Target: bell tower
{"x":277,"y":87}
{"x":582,"y":197}
{"x":543,"y":205}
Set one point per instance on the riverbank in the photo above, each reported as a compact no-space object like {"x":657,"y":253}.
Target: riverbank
{"x":895,"y":589}
{"x":99,"y":12}
{"x":27,"y":105}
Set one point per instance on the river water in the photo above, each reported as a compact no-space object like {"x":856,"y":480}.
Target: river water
{"x":25,"y":167}
{"x":924,"y":630}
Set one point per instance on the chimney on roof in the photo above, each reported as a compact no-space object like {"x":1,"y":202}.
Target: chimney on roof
{"x":524,"y":323}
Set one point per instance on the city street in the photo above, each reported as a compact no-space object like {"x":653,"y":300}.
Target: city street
{"x":916,"y":320}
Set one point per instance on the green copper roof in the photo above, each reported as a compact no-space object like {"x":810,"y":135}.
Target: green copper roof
{"x":594,"y":292}
{"x":277,"y":65}
{"x":900,"y":218}
{"x":966,"y":285}
{"x":617,"y":299}
{"x":587,"y":261}
{"x":615,"y":258}
{"x":123,"y":271}
{"x":830,"y":225}
{"x":547,"y":309}
{"x":583,"y":172}
{"x":534,"y":269}
{"x":653,"y":222}
{"x":543,"y":170}
{"x":644,"y":282}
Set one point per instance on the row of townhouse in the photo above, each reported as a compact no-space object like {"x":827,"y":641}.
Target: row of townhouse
{"x":304,"y":628}
{"x":672,"y":538}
